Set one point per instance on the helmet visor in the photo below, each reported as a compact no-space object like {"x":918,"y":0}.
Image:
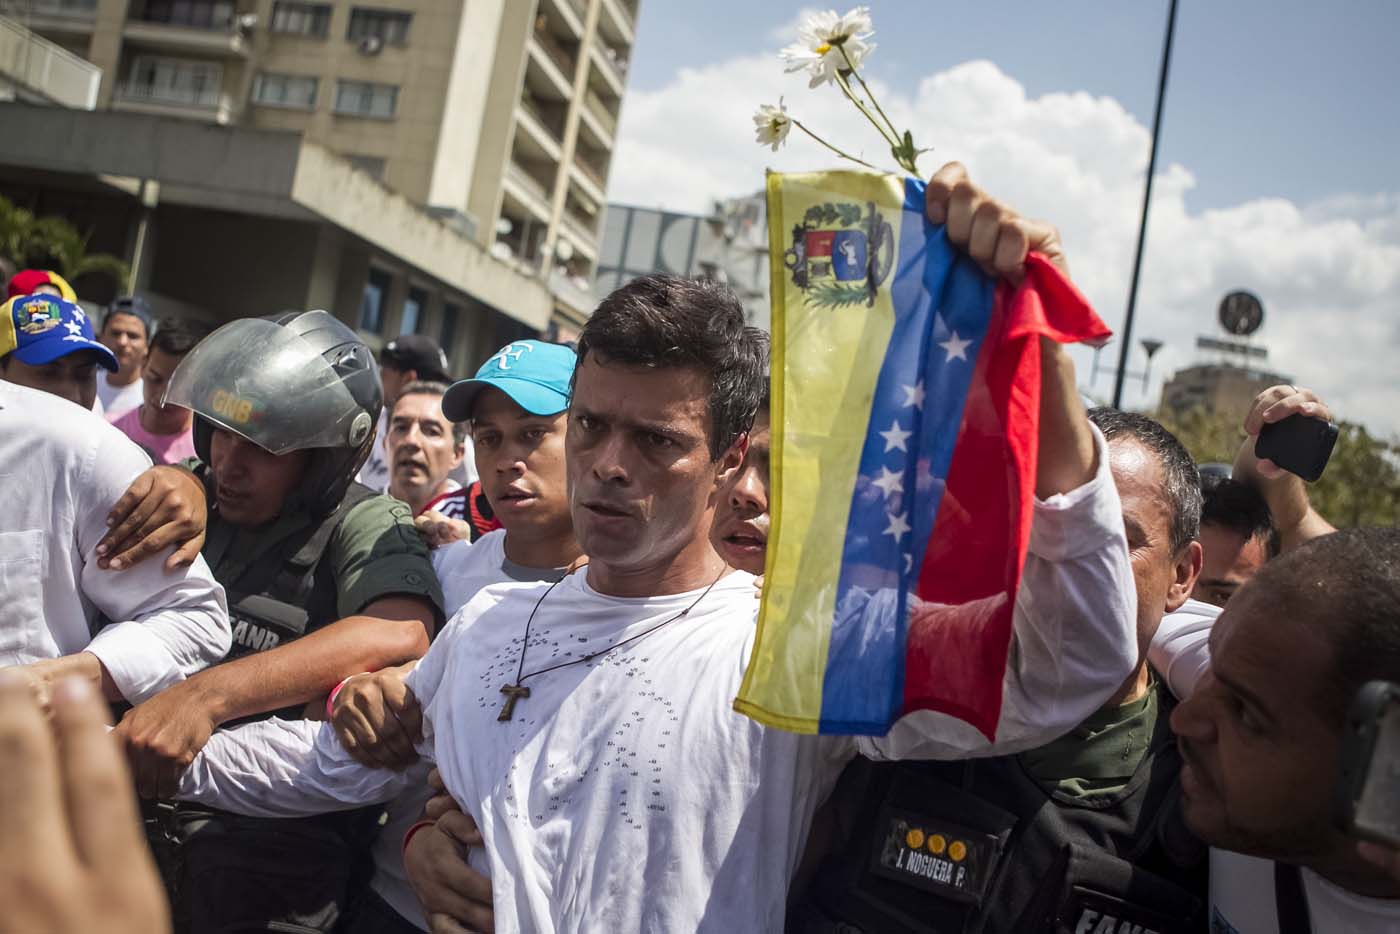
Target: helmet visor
{"x":260,"y":380}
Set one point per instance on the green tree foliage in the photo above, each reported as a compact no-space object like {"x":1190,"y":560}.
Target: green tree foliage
{"x":29,"y":242}
{"x":1361,"y":485}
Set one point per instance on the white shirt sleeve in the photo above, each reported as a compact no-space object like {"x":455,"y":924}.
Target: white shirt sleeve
{"x":1074,"y":638}
{"x":295,"y":768}
{"x":166,"y":625}
{"x":1180,"y":650}
{"x":288,"y":768}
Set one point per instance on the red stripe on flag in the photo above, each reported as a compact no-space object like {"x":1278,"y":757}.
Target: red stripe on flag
{"x":960,"y":629}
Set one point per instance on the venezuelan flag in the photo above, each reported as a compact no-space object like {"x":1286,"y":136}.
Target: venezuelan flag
{"x":905,"y":410}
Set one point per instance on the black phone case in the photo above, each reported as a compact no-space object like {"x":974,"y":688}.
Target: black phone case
{"x":1299,"y":444}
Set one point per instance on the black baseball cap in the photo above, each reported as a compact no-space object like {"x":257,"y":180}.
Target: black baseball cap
{"x":418,"y":353}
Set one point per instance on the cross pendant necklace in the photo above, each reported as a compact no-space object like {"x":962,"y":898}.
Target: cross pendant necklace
{"x":518,"y":691}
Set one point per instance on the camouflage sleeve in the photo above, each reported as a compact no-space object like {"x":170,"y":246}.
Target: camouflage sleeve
{"x":376,"y":552}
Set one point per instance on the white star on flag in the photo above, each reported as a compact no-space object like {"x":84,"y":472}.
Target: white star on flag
{"x":889,"y":482}
{"x":899,"y":526}
{"x":956,"y":347}
{"x":73,"y":327}
{"x":914,"y":395}
{"x":895,"y":437}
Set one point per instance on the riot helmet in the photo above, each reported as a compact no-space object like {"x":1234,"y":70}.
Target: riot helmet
{"x":299,"y":381}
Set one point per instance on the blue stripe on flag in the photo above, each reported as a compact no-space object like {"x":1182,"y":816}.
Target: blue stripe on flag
{"x":908,"y":447}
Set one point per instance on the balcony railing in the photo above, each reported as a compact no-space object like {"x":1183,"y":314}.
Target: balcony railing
{"x":557,"y":54}
{"x":522,"y":177}
{"x":600,"y":111}
{"x":47,"y":69}
{"x":592,"y":170}
{"x":554,"y":125}
{"x":211,"y":99}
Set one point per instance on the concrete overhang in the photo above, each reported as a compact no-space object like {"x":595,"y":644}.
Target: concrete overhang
{"x":270,"y":173}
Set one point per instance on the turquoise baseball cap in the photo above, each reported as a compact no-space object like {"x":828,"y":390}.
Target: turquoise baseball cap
{"x":535,"y":374}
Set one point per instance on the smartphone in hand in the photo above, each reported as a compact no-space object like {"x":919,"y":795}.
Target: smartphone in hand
{"x":1368,"y":792}
{"x":1299,"y":444}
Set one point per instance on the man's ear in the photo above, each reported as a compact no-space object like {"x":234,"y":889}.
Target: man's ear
{"x":731,"y":460}
{"x":1188,"y":567}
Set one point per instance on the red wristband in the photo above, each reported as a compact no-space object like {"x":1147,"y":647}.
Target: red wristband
{"x":330,"y":698}
{"x":408,"y":834}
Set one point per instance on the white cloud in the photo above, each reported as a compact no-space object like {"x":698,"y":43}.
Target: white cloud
{"x":1328,"y":272}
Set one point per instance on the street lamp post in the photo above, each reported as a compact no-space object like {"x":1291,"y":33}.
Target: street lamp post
{"x":1127,"y":335}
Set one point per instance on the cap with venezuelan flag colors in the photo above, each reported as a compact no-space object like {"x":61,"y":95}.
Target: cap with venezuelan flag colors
{"x":38,"y":329}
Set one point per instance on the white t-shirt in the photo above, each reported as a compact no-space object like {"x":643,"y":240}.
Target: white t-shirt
{"x":463,"y":569}
{"x":118,"y":400}
{"x":1243,"y":901}
{"x":626,"y":794}
{"x":62,"y":469}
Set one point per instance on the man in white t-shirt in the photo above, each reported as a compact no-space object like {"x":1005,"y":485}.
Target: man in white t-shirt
{"x":126,"y":331}
{"x":517,"y":420}
{"x":130,"y":633}
{"x":1261,"y":735}
{"x":587,"y":725}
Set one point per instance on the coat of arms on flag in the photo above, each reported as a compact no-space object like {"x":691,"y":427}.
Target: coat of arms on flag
{"x":905,"y":412}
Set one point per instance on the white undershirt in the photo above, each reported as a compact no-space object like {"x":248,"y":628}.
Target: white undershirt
{"x":1243,"y":901}
{"x":118,"y":400}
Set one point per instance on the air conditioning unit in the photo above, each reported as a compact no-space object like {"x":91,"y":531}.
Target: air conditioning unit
{"x":371,"y":45}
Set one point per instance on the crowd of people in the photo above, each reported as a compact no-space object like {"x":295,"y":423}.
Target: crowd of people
{"x":392,"y":652}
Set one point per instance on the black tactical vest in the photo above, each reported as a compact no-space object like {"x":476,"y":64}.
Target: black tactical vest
{"x":285,"y":593}
{"x":980,"y":846}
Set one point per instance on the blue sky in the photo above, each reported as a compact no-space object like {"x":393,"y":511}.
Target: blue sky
{"x":1278,"y":169}
{"x":1285,"y":98}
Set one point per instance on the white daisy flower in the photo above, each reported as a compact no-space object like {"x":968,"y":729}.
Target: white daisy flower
{"x":822,"y":39}
{"x":772,"y":125}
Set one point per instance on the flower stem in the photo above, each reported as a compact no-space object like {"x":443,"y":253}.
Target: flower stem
{"x":861,"y":106}
{"x":839,"y":152}
{"x":868,"y":93}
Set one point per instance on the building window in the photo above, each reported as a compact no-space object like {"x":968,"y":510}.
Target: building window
{"x":302,"y":19}
{"x":209,"y":14}
{"x":377,"y":286}
{"x":448,"y":333}
{"x":298,"y":91}
{"x":413,"y":307}
{"x":174,"y":81}
{"x":388,"y":26}
{"x":365,"y":99}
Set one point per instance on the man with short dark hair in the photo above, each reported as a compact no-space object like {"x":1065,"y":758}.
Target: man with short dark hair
{"x":165,"y":431}
{"x":1237,"y":534}
{"x":423,"y":446}
{"x":1261,"y":737}
{"x":54,"y":349}
{"x":408,"y":358}
{"x":1260,"y":510}
{"x":588,"y":725}
{"x":126,"y":331}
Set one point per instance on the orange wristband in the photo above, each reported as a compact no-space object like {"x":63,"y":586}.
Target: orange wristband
{"x":330,"y":699}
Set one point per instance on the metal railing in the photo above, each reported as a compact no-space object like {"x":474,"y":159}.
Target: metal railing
{"x":74,"y":8}
{"x":47,"y":69}
{"x":553,"y":125}
{"x":198,"y":98}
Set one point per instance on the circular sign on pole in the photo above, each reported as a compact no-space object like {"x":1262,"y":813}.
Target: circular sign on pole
{"x":1241,"y":313}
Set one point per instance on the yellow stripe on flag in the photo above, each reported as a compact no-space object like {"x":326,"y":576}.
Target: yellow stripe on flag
{"x":7,"y":327}
{"x":826,"y":362}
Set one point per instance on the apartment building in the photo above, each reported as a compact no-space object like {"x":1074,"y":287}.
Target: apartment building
{"x":495,"y":117}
